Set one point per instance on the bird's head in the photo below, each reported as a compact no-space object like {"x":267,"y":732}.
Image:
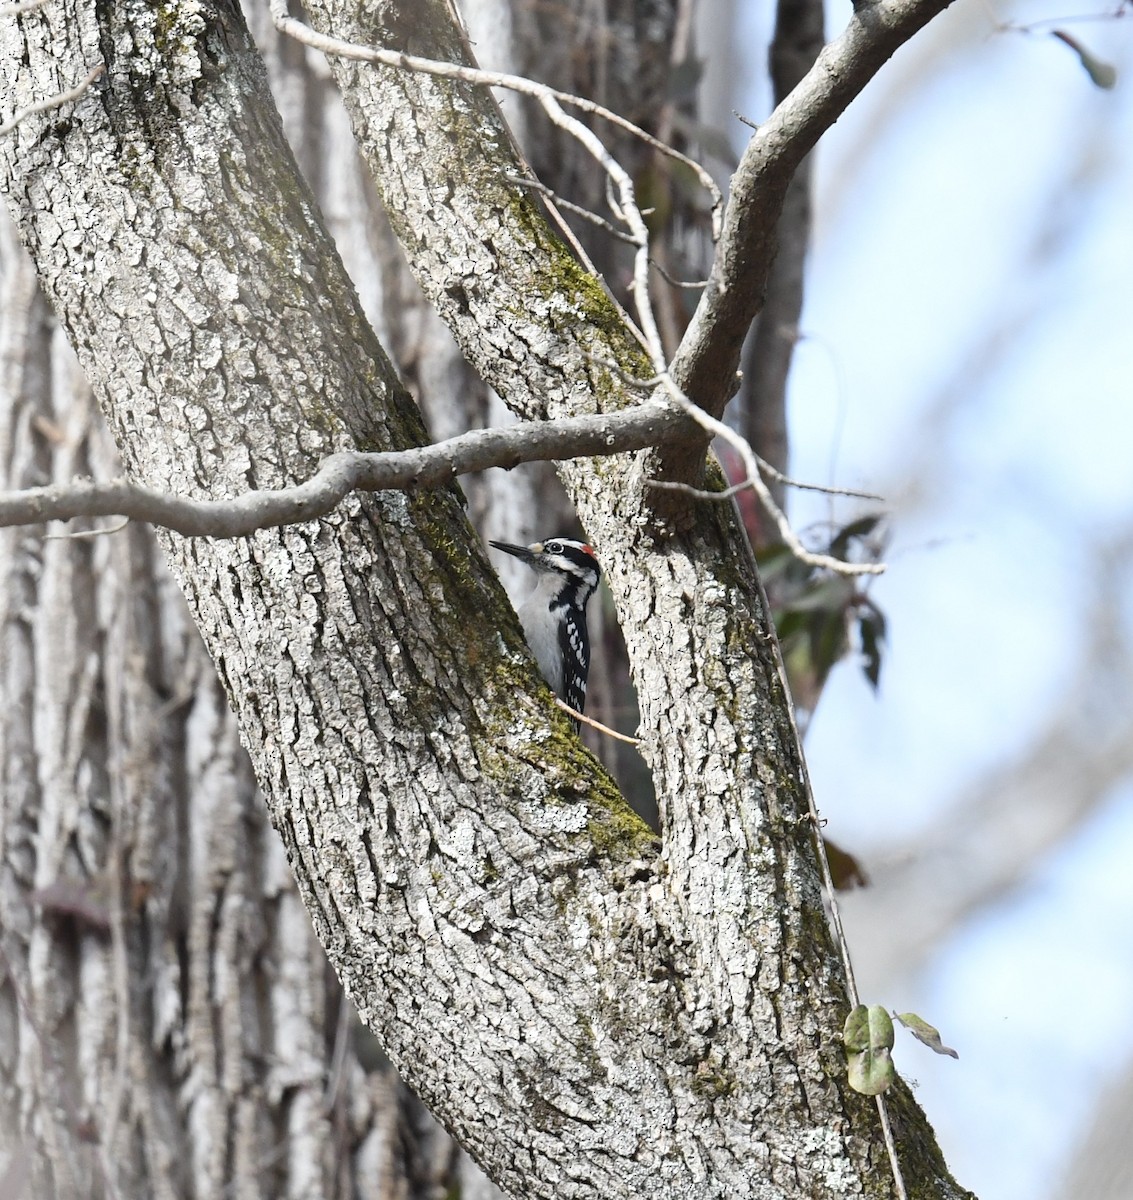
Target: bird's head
{"x":562,"y":557}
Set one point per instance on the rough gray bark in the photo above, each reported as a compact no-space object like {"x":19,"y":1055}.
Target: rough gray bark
{"x":588,"y":1017}
{"x":145,"y":904}
{"x":617,"y":54}
{"x":167,"y":1014}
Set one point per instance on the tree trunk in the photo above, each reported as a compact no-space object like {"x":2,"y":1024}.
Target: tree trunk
{"x":587,"y":1015}
{"x":169,"y":1020}
{"x":170,"y":1024}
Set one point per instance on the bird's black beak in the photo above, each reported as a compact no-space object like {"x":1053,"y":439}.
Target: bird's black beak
{"x":520,"y":552}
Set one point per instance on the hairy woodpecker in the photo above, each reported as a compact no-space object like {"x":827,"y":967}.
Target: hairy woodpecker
{"x":554,"y":615}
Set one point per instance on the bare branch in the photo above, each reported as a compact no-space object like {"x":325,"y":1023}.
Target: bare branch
{"x":672,"y":281}
{"x":754,"y":467}
{"x":706,"y":361}
{"x":765,"y":468}
{"x":515,"y":83}
{"x":623,"y":204}
{"x":585,"y":213}
{"x":626,"y":210}
{"x":891,"y":1148}
{"x":825,"y":488}
{"x":339,"y":474}
{"x":56,"y":101}
{"x":80,"y":535}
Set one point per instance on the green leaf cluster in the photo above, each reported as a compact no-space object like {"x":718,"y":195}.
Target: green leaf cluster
{"x":818,"y":614}
{"x":868,"y":1036}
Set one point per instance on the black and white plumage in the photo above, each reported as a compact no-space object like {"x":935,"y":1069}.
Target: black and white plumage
{"x":554,"y":615}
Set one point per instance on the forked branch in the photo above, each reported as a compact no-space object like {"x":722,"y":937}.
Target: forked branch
{"x":705,"y":363}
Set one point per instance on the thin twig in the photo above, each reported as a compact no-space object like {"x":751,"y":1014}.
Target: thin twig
{"x":755,"y":482}
{"x":631,"y":381}
{"x":824,"y":869}
{"x":570,"y":206}
{"x":693,"y":284}
{"x":891,"y":1147}
{"x":626,"y":209}
{"x":754,"y":466}
{"x":622,"y":737}
{"x":835,"y":911}
{"x":338,"y":1058}
{"x":622,"y":199}
{"x":80,"y":535}
{"x":515,"y":83}
{"x":56,"y":101}
{"x":825,"y":488}
{"x":765,"y":468}
{"x":564,"y":226}
{"x":1044,"y":25}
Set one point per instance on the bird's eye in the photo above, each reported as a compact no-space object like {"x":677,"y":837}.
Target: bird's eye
{"x":553,"y":547}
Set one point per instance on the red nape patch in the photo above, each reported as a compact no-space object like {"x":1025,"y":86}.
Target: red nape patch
{"x":587,"y":549}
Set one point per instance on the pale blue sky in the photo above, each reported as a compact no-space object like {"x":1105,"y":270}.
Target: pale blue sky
{"x":992,"y":187}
